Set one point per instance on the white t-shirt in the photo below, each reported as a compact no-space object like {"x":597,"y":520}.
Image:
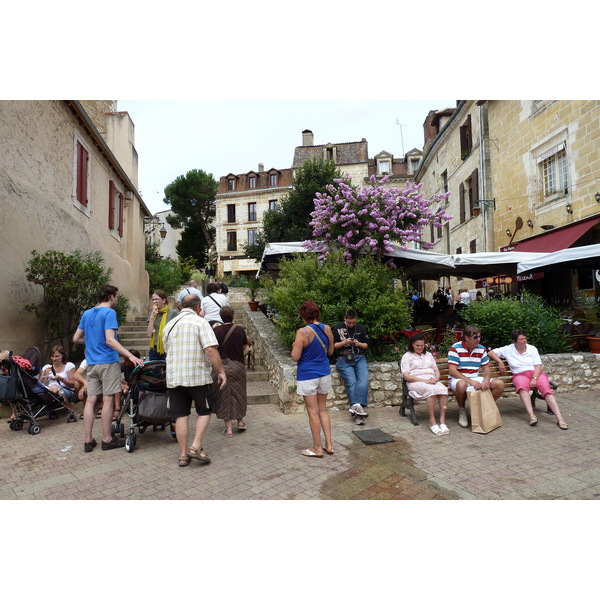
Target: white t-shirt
{"x":519,"y":362}
{"x":211,"y":309}
{"x":67,"y":367}
{"x":465,"y":298}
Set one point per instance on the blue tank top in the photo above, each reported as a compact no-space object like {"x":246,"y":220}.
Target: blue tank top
{"x":314,"y":361}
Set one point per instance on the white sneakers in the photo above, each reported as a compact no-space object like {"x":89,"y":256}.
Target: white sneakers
{"x":358,"y":410}
{"x":462,"y":418}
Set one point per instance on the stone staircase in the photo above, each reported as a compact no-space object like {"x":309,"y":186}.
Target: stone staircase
{"x":132,"y":335}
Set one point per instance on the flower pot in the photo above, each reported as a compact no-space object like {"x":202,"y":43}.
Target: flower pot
{"x":253,"y":304}
{"x":594,"y":343}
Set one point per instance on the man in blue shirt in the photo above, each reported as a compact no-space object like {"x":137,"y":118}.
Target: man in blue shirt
{"x":97,"y":329}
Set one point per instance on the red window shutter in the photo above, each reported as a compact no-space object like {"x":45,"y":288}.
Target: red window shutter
{"x":111,"y":205}
{"x":474,"y":189}
{"x":461,"y":198}
{"x":82,"y":171}
{"x":121,"y":206}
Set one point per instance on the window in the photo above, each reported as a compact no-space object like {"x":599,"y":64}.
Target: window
{"x":384,"y":166}
{"x":231,"y":241}
{"x":473,"y":246}
{"x":115,"y":209}
{"x":272,"y":204}
{"x":231,"y":213}
{"x":252,"y":233}
{"x":466,"y":139}
{"x":252,"y":182}
{"x":468,"y":196}
{"x":231,"y":184}
{"x":273,"y":179}
{"x":251,"y":211}
{"x":554,"y":171}
{"x":414,"y":164}
{"x":461,"y":203}
{"x":81,"y":176}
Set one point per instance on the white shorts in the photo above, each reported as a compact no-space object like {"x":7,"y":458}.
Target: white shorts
{"x":311,"y":387}
{"x":452,"y":383}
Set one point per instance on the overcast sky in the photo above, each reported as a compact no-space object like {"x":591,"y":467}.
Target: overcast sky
{"x":225,"y":136}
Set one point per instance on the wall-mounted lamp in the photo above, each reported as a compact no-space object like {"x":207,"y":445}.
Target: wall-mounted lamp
{"x":529,"y":223}
{"x":597,"y":196}
{"x":569,"y":209}
{"x":508,"y":233}
{"x":151,"y":223}
{"x":476,"y":210}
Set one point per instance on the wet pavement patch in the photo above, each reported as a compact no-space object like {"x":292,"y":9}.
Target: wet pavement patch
{"x":372,"y":436}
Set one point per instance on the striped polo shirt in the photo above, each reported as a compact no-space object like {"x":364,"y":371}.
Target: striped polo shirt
{"x":466,"y":362}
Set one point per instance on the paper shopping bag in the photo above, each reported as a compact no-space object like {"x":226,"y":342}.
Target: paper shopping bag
{"x":485,"y":416}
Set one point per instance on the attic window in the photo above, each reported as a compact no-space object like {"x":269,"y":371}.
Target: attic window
{"x":384,"y":166}
{"x":231,"y":184}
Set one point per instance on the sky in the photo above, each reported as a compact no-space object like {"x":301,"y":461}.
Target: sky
{"x":229,"y":136}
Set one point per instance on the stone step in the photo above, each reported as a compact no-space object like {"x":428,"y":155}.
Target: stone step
{"x":261,"y":392}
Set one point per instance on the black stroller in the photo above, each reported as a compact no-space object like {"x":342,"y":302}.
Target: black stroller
{"x":30,"y":399}
{"x":145,"y":403}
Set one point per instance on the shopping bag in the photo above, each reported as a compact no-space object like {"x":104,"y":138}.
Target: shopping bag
{"x":485,"y":416}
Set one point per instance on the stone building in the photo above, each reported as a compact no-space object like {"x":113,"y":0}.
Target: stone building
{"x":243,"y":199}
{"x":523,"y":175}
{"x":68,"y":181}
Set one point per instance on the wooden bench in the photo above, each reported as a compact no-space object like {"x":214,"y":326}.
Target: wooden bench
{"x":442,"y":365}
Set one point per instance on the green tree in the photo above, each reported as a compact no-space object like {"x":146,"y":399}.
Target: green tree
{"x":70,"y":283}
{"x":192,"y":200}
{"x":366,"y":286}
{"x":290,"y":220}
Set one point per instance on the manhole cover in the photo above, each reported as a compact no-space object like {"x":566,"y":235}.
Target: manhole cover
{"x":372,"y":436}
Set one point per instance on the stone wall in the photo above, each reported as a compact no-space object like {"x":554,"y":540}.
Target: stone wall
{"x":572,"y":372}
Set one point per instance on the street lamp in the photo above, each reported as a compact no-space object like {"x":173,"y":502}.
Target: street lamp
{"x":150,"y":225}
{"x":476,"y":210}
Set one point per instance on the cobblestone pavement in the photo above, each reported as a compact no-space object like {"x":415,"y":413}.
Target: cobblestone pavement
{"x":514,"y":462}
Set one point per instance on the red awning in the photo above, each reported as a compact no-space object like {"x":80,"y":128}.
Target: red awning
{"x":556,"y":240}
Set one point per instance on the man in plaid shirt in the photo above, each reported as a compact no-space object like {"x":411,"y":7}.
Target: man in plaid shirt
{"x":191,"y":348}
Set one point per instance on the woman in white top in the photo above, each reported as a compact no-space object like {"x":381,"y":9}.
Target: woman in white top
{"x":526,"y":368}
{"x":58,"y":375}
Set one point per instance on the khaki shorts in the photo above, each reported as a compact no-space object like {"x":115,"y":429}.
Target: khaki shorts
{"x":104,"y":379}
{"x":311,"y":387}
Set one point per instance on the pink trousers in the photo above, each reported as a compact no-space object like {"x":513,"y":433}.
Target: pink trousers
{"x":521,"y":382}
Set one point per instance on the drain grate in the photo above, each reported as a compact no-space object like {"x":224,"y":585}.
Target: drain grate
{"x":372,"y":436}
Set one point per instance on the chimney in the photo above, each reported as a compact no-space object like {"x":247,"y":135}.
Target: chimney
{"x":261,"y":167}
{"x":308,"y":139}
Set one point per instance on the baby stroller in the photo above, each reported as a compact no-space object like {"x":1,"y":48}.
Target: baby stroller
{"x":145,"y":403}
{"x":29,"y":398}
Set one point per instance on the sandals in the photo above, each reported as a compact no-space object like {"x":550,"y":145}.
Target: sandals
{"x":195,"y":453}
{"x":533,"y":420}
{"x":562,"y":424}
{"x":328,"y":452}
{"x":435,"y":429}
{"x":116,"y":414}
{"x":242,"y":428}
{"x":444,"y":429}
{"x":308,"y":452}
{"x":184,"y":461}
{"x":229,"y":435}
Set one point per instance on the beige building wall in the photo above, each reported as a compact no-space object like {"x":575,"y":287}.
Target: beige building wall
{"x":37,"y":192}
{"x":446,"y":167}
{"x":522,"y":131}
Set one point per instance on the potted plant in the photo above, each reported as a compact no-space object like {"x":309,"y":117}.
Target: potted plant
{"x":253,"y":286}
{"x":592,"y":315}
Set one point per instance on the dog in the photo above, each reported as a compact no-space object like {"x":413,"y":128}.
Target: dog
{"x":250,"y":354}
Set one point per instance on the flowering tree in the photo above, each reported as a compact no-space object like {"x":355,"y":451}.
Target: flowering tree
{"x":367,"y":220}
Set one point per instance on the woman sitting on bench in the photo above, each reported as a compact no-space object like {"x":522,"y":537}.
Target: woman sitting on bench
{"x":526,"y":366}
{"x":422,"y":377}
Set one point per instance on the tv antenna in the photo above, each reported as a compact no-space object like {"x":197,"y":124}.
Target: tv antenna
{"x":401,"y":136}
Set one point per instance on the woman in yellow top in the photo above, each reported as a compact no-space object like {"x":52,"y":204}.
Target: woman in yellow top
{"x":161,"y":314}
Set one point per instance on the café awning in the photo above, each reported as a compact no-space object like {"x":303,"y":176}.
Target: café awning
{"x":560,"y":239}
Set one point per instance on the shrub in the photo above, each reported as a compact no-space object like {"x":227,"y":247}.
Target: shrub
{"x":165,"y":274}
{"x":366,"y":286}
{"x":70,"y":283}
{"x":497,"y":318}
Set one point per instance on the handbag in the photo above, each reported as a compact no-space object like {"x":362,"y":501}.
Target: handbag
{"x":8,"y":388}
{"x":348,"y":355}
{"x":485,"y":416}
